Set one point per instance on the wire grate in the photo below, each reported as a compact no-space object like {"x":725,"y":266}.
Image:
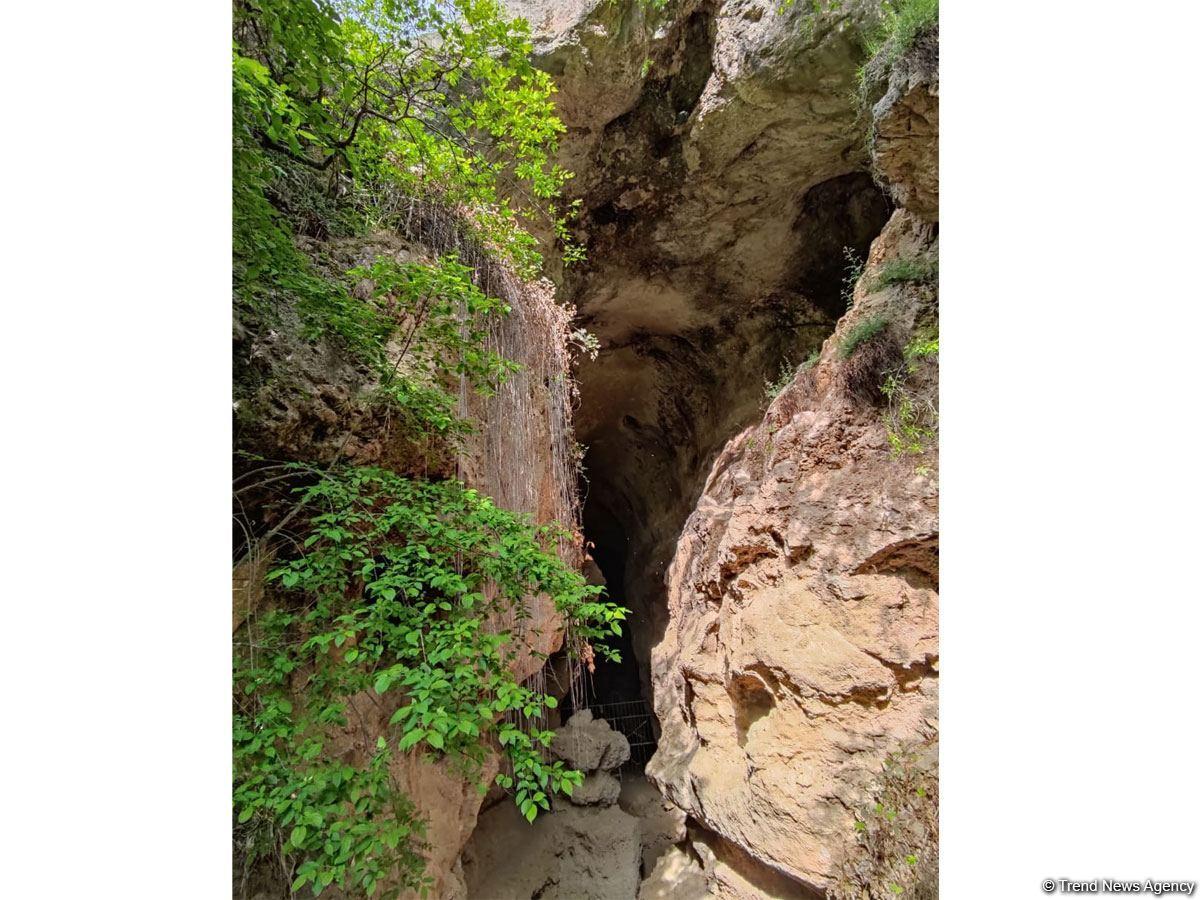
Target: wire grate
{"x":633,"y":719}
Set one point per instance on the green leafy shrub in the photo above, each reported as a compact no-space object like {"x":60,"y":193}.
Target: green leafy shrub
{"x":901,"y":271}
{"x":862,"y":333}
{"x":390,"y":596}
{"x":910,"y":425}
{"x":440,"y":322}
{"x":912,"y":413}
{"x":895,"y":848}
{"x":922,"y":346}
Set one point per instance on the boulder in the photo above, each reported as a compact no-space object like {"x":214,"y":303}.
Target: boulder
{"x":598,"y":789}
{"x":589,"y":744}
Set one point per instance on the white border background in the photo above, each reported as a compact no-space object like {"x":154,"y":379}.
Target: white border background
{"x":1070,"y":477}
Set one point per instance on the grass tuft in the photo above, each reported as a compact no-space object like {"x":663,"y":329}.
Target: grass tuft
{"x":900,"y":271}
{"x":860,"y":334}
{"x":903,"y":21}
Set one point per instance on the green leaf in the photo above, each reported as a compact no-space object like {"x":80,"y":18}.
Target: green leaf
{"x":298,"y":835}
{"x":411,"y":739}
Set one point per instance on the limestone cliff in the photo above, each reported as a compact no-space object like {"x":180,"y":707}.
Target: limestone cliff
{"x":727,"y":154}
{"x":802,"y":642}
{"x":801,"y":649}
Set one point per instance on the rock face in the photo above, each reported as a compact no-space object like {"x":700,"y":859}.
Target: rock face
{"x":589,"y":745}
{"x":801,"y":648}
{"x":662,"y":822}
{"x":574,"y":853}
{"x":905,"y":138}
{"x":802,"y":642}
{"x":588,"y":848}
{"x":676,"y":876}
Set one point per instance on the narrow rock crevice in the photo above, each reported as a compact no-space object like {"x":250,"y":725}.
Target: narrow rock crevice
{"x":739,"y":494}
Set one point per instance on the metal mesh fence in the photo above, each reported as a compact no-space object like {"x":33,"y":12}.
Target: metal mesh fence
{"x":633,"y":719}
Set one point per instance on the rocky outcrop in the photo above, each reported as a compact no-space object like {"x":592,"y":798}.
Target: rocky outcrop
{"x":802,"y":644}
{"x":662,"y":822}
{"x":905,"y":125}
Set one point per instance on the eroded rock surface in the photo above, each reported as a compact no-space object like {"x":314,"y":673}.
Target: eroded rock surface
{"x":574,"y":853}
{"x":802,"y":644}
{"x":589,"y":744}
{"x":662,"y":822}
{"x":588,"y":848}
{"x":905,"y":138}
{"x":676,"y":875}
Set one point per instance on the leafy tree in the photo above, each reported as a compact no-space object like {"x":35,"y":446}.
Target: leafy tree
{"x":340,"y":108}
{"x":392,"y":95}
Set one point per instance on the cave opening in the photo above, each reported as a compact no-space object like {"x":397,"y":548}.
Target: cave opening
{"x":612,"y":682}
{"x":690,"y":354}
{"x":614,"y":690}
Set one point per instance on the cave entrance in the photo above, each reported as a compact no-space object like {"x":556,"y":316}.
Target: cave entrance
{"x":615,"y":691}
{"x":691,"y":355}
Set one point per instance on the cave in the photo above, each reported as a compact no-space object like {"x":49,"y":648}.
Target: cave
{"x":684,"y":363}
